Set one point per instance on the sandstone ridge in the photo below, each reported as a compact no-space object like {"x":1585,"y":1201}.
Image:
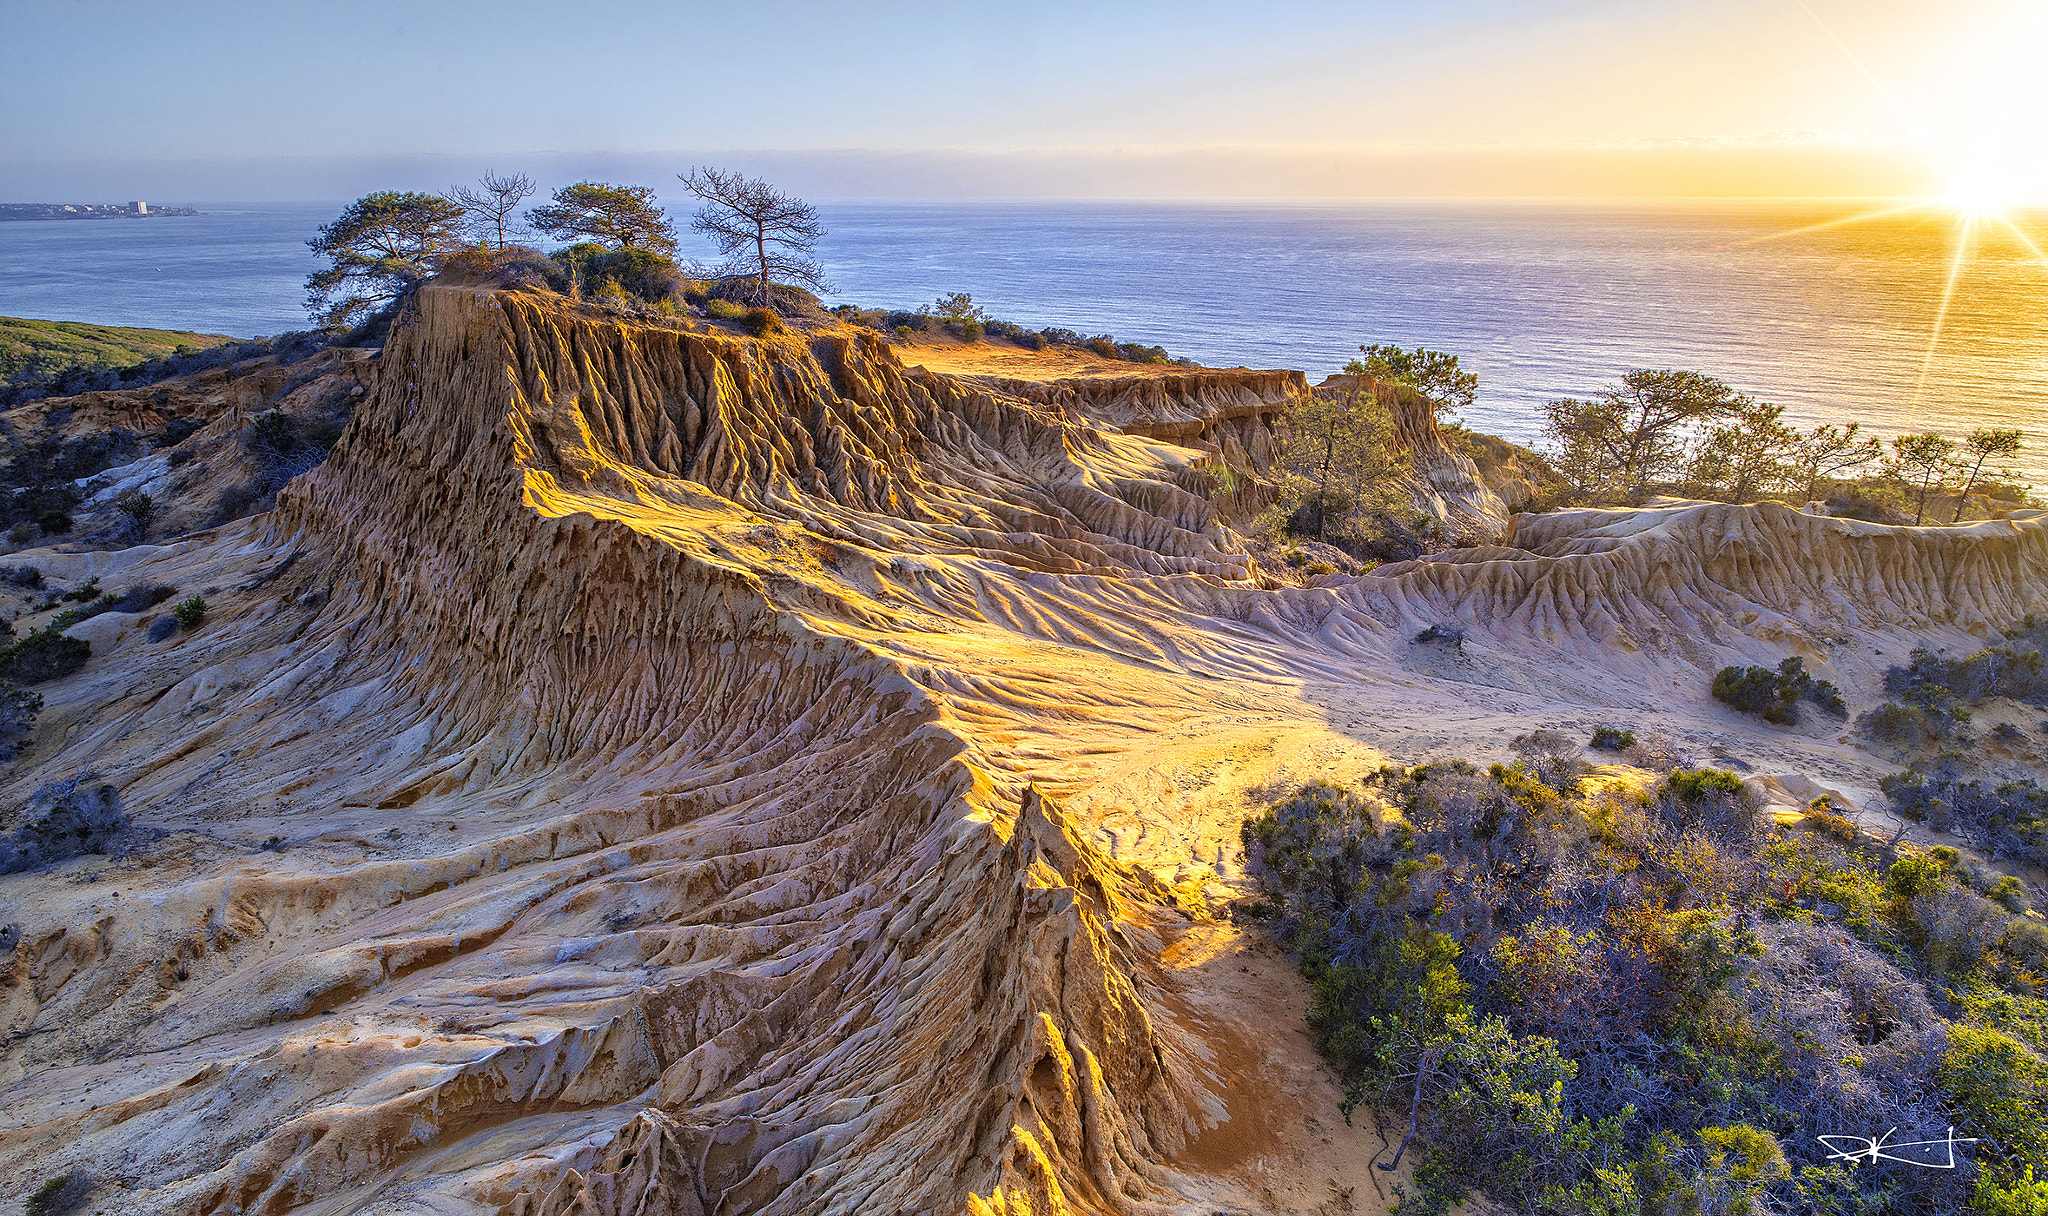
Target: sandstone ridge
{"x":656,"y":771}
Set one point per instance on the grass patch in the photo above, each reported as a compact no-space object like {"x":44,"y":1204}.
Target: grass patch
{"x":43,"y":347}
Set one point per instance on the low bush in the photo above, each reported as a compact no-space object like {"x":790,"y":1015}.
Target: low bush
{"x":2008,"y":818}
{"x":235,"y":501}
{"x":1555,"y":757}
{"x":1604,"y":1002}
{"x":958,"y":313}
{"x":190,"y":612}
{"x":18,"y":710}
{"x":2016,"y":670}
{"x":1822,"y":816}
{"x":285,"y":447}
{"x":1775,"y":695}
{"x":1612,"y":739}
{"x":37,"y":383}
{"x":633,"y":274}
{"x":1442,"y":635}
{"x":139,"y":509}
{"x":59,"y":1196}
{"x":1864,"y":502}
{"x":62,"y":820}
{"x":139,"y":598}
{"x":44,"y":654}
{"x":760,"y":322}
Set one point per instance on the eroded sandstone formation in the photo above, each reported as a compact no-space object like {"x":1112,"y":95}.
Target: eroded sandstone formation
{"x":660,"y":771}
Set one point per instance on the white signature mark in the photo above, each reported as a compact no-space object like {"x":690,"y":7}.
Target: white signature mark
{"x":1861,"y":1148}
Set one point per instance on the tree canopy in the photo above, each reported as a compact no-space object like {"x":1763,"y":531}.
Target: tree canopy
{"x":617,"y":217}
{"x":760,"y":231}
{"x":1635,"y":433}
{"x":1927,"y":459}
{"x":1432,"y":373}
{"x":1828,"y":450}
{"x":1983,"y":444}
{"x":1746,"y":453}
{"x":1341,"y":458}
{"x":380,"y":247}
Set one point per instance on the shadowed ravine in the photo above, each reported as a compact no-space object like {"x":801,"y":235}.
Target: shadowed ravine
{"x":703,"y":771}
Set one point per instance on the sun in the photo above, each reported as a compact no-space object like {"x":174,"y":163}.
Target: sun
{"x":1978,"y":197}
{"x":1978,"y":183}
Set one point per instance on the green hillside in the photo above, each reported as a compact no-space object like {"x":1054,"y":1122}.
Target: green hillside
{"x":41,"y":347}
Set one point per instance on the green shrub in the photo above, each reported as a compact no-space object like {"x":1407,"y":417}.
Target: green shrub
{"x":191,"y":612}
{"x":1695,"y":785}
{"x":18,"y":710}
{"x":1612,"y":739}
{"x":1899,"y":725}
{"x":45,"y":654}
{"x":1915,"y":874}
{"x":1618,"y":1004}
{"x":139,"y":598}
{"x":1775,"y":695}
{"x":138,"y":507}
{"x":618,"y":275}
{"x":59,"y":1195}
{"x":724,"y":310}
{"x":2006,"y":1194}
{"x":2002,"y":1085}
{"x":1754,"y":690}
{"x":971,"y":331}
{"x":1822,"y":815}
{"x":760,"y":322}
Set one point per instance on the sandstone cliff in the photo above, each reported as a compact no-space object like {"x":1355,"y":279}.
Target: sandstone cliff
{"x":657,"y":771}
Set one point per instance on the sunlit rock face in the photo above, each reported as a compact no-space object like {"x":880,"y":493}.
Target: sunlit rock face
{"x":649,"y":771}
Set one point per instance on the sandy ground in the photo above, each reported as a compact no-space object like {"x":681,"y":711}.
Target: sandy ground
{"x":944,"y":353}
{"x":1286,"y":1142}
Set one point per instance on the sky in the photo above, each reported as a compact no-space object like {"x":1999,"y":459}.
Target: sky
{"x":200,"y":100}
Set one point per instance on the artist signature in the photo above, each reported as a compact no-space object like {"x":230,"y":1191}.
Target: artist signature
{"x":1860,"y":1148}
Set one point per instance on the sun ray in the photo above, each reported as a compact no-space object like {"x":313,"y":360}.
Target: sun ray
{"x":1860,"y":217}
{"x":2005,"y":221}
{"x":1905,"y":114}
{"x":1965,"y":226}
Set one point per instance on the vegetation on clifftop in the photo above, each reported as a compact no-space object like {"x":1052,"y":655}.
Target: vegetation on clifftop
{"x":1603,"y":998}
{"x":42,"y":349}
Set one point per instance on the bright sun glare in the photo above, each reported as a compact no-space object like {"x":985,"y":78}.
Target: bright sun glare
{"x":1985,"y":138}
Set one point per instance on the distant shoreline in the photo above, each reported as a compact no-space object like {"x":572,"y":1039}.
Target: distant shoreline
{"x":87,"y":211}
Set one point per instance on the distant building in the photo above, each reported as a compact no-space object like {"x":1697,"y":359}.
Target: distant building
{"x":140,"y":208}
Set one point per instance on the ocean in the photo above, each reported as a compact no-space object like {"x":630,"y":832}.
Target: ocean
{"x":1835,"y":321}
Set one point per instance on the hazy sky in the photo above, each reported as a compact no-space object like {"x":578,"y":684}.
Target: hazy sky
{"x":917,"y":100}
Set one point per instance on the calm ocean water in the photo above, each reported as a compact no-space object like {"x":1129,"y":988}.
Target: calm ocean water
{"x":1542,"y":300}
